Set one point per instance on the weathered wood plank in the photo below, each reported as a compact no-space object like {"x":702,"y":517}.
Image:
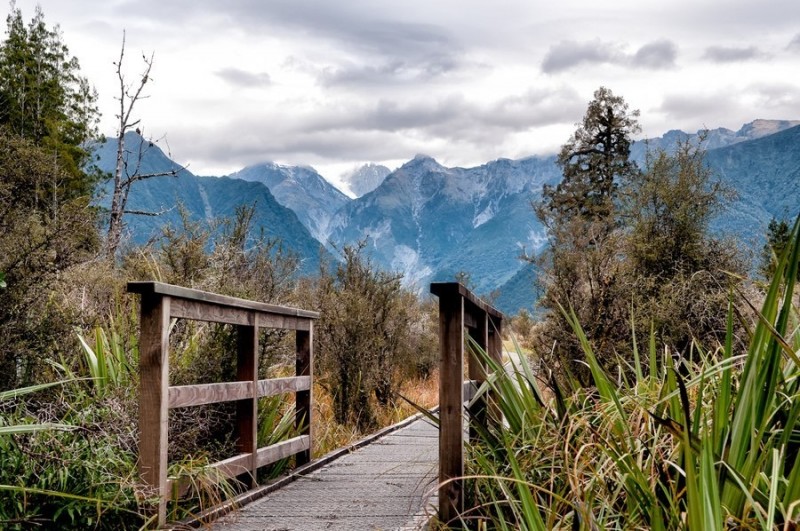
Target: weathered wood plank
{"x":455,"y":289}
{"x":234,"y":466}
{"x":384,"y":485}
{"x":279,"y":386}
{"x":283,"y":321}
{"x":247,"y":410}
{"x":282,"y":450}
{"x":451,"y":404}
{"x":199,"y":394}
{"x":159,"y":288}
{"x":477,"y":373}
{"x":304,"y":367}
{"x":201,"y":311}
{"x":153,"y":385}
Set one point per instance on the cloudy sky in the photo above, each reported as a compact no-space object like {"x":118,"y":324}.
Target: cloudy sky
{"x":332,"y":84}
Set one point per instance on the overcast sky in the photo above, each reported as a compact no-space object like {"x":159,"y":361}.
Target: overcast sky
{"x":332,"y":84}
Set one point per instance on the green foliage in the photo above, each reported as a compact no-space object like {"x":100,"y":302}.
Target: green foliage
{"x":581,"y":266}
{"x":593,"y":161}
{"x":41,"y":238}
{"x":676,"y":275}
{"x":667,"y":209}
{"x":708,"y":445}
{"x":370,"y":333}
{"x":44,"y":99}
{"x":631,"y":246}
{"x":59,"y":468}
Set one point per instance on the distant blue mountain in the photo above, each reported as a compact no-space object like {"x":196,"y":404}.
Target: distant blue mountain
{"x":431,"y":222}
{"x":366,"y":178}
{"x":301,"y":189}
{"x":205,"y":199}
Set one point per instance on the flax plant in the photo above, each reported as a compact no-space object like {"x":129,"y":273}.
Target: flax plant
{"x":708,"y":443}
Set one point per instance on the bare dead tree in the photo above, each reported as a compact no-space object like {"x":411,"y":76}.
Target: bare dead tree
{"x":129,"y":161}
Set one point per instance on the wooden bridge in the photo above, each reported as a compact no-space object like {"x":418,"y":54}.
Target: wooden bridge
{"x":396,"y":479}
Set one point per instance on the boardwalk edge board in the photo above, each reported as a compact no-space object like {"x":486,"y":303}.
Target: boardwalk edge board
{"x":250,"y":496}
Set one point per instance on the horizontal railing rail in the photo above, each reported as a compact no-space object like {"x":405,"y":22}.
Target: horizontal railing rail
{"x":160,"y":303}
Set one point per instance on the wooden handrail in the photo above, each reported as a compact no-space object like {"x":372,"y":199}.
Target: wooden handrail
{"x":459,"y":310}
{"x":162,"y":302}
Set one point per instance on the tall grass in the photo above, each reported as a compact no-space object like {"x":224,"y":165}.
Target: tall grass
{"x":712,"y":442}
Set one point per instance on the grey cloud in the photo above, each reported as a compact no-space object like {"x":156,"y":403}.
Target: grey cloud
{"x":725,"y":54}
{"x":536,"y":107}
{"x":568,"y":54}
{"x":794,"y":44}
{"x":393,"y":71}
{"x":243,"y":78}
{"x":381,"y":130}
{"x":682,"y":106}
{"x":656,"y":55}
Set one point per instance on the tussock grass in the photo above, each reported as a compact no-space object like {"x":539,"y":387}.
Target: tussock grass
{"x":705,"y":443}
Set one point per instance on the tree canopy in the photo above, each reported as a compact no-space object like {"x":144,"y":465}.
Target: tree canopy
{"x":43,"y":97}
{"x":593,"y":161}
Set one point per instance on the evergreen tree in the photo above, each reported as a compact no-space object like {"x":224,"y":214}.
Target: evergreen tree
{"x":581,"y":264}
{"x":43,"y":98}
{"x":593,"y":161}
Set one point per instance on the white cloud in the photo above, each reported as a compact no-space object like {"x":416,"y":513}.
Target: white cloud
{"x":332,"y":83}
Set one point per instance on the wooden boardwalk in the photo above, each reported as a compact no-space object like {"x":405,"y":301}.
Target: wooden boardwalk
{"x":388,"y":484}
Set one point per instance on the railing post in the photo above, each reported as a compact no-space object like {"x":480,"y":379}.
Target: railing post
{"x":303,"y":399}
{"x":247,"y":410}
{"x":153,"y":385}
{"x":477,"y":373}
{"x":495,"y":352}
{"x":451,"y":405}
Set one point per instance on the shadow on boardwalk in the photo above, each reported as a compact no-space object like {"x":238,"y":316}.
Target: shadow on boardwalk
{"x":388,"y":484}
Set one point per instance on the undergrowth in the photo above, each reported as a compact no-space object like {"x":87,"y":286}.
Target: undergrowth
{"x":704,"y":443}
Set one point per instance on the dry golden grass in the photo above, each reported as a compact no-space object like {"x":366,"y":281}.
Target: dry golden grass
{"x":330,"y":435}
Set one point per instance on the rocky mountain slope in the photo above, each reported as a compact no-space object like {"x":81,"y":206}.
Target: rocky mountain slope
{"x":301,"y":189}
{"x":205,"y":199}
{"x":431,"y":222}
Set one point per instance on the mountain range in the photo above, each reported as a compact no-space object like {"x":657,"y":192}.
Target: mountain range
{"x":431,"y":222}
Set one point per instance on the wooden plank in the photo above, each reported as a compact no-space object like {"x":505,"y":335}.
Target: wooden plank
{"x":153,"y":385}
{"x":199,"y":394}
{"x":276,"y":452}
{"x":477,"y":373}
{"x":279,"y":386}
{"x":229,"y":468}
{"x":176,"y":292}
{"x":247,"y":410}
{"x":283,"y":322}
{"x":451,"y":404}
{"x":234,"y":466}
{"x":454,"y":289}
{"x":201,"y":311}
{"x":304,"y":366}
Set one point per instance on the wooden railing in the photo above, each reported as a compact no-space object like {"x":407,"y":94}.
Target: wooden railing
{"x":163,"y":302}
{"x":460,"y":310}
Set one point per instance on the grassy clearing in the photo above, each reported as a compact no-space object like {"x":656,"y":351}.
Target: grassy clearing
{"x":708,"y":442}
